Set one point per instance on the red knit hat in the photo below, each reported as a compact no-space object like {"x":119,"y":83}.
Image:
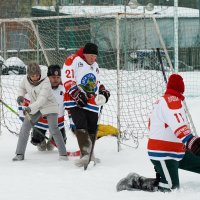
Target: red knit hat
{"x":176,"y":83}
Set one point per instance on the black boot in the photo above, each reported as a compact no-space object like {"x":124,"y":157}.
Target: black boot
{"x":85,"y":145}
{"x":149,"y":184}
{"x":84,"y":141}
{"x":127,"y":182}
{"x":136,"y":182}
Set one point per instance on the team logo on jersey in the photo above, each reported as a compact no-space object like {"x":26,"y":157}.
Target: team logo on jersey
{"x":80,"y":64}
{"x":89,"y":83}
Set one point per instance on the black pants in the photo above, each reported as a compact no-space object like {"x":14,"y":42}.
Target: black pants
{"x":84,"y":119}
{"x":37,"y":138}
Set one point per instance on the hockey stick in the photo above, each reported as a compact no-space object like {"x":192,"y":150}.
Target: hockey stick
{"x":161,"y":64}
{"x":185,"y":105}
{"x":69,"y":153}
{"x":93,"y":142}
{"x":9,"y":108}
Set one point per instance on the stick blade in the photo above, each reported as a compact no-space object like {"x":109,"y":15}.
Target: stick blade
{"x":74,"y":153}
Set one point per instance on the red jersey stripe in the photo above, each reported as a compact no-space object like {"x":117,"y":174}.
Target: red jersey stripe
{"x":160,"y":145}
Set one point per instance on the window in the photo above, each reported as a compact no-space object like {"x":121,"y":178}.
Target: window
{"x":17,"y":40}
{"x":37,"y":2}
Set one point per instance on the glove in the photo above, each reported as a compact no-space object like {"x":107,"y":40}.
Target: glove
{"x":79,"y":97}
{"x":26,"y":110}
{"x":104,"y":92}
{"x":20,"y":100}
{"x":194,"y":145}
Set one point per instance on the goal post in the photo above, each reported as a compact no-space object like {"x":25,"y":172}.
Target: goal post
{"x":130,"y":70}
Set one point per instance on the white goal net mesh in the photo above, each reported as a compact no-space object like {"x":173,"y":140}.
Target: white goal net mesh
{"x":128,"y":58}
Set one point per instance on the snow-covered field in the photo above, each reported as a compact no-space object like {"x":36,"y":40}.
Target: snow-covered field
{"x":42,"y":176}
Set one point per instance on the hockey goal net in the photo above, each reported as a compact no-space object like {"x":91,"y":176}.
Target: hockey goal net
{"x":129,"y":62}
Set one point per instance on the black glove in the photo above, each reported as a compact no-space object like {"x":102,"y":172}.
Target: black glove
{"x":104,"y":92}
{"x":79,"y":97}
{"x":194,"y":145}
{"x":26,"y":110}
{"x":20,"y":100}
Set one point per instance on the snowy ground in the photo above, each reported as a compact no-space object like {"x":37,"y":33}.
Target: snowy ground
{"x":42,"y":176}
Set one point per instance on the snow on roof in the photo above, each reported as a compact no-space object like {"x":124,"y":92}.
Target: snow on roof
{"x":160,"y":11}
{"x":14,"y":61}
{"x":44,"y":68}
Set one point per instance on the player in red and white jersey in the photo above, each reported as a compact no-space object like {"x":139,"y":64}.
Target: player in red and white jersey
{"x":171,"y":144}
{"x":84,"y":94}
{"x":168,"y":127}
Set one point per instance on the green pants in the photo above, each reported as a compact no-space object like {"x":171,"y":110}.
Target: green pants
{"x":168,"y":170}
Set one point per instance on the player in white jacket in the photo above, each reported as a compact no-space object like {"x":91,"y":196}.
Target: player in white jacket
{"x":42,"y":103}
{"x":54,"y":74}
{"x":171,"y":145}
